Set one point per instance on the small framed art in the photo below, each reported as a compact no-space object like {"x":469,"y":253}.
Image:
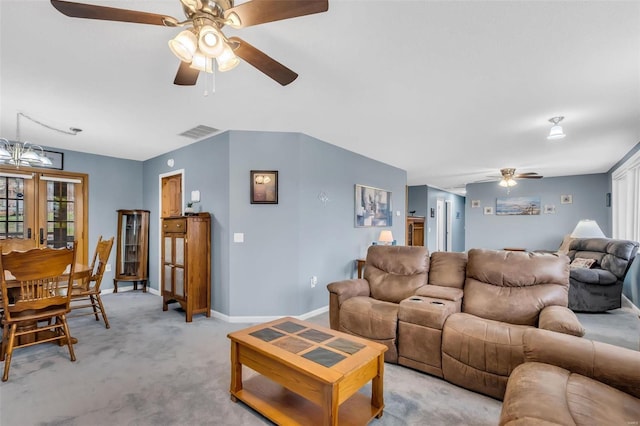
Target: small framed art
{"x":264,"y":186}
{"x":566,"y":199}
{"x":549,"y":209}
{"x":475,"y":204}
{"x":488,"y":210}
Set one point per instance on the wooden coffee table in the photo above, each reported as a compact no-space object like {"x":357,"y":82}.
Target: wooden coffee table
{"x":309,"y":375}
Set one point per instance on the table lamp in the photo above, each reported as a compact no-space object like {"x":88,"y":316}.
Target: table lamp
{"x":587,"y":228}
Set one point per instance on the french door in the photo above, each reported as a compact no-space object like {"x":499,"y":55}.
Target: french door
{"x":43,"y":209}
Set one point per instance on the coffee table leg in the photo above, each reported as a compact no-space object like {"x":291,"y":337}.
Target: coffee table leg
{"x":330,"y":404}
{"x":236,"y":371}
{"x":377,"y":394}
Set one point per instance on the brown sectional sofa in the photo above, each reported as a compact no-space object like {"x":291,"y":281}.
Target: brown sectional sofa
{"x":455,"y":315}
{"x":566,"y":380}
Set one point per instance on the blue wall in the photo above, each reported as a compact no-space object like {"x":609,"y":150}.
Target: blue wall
{"x":539,"y":232}
{"x":422,"y":198}
{"x":114,"y":184}
{"x":284,"y":244}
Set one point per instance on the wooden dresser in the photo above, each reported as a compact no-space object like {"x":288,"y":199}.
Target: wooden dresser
{"x":415,"y":231}
{"x":186,"y":263}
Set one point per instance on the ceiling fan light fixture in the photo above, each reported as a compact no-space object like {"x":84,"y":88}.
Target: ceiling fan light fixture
{"x":233,"y":20}
{"x":507,"y":183}
{"x":556,"y":130}
{"x":184,"y":45}
{"x":210,"y":42}
{"x":203,"y":63}
{"x":227,"y":60}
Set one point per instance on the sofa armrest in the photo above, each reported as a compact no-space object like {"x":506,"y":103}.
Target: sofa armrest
{"x":440,"y":292}
{"x":349,"y":288}
{"x":340,"y":291}
{"x":560,"y":319}
{"x":613,"y":365}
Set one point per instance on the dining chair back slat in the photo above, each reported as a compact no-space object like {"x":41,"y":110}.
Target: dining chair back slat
{"x":44,"y":276}
{"x":86,"y":293}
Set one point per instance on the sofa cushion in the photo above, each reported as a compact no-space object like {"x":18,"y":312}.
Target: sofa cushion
{"x":395,"y":272}
{"x":438,"y":292}
{"x":372,"y":319}
{"x":514,"y":286}
{"x":593,"y":276}
{"x":448,"y":269}
{"x":480,"y":354}
{"x":545,"y":394}
{"x":579,"y":262}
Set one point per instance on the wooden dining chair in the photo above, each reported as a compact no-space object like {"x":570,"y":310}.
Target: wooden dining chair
{"x":86,"y":292}
{"x":35,"y":288}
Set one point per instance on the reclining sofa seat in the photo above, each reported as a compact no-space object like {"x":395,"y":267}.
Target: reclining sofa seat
{"x":368,"y":307}
{"x":599,"y":288}
{"x":570,"y":381}
{"x":505,"y":294}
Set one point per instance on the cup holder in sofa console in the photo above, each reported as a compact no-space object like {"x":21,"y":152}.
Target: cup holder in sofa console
{"x":415,"y":299}
{"x":435,"y":302}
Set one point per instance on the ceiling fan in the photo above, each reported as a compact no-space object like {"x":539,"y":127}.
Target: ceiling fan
{"x":509,"y":177}
{"x":202,"y":41}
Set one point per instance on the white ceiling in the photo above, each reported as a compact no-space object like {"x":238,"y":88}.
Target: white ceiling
{"x":449,"y":91}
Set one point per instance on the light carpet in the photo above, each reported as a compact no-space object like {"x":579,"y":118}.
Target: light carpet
{"x":152,"y":368}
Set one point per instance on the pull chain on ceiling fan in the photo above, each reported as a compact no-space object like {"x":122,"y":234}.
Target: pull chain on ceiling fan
{"x":202,"y":41}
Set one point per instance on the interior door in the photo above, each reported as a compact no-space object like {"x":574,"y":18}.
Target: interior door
{"x":172,"y":196}
{"x":17,"y":211}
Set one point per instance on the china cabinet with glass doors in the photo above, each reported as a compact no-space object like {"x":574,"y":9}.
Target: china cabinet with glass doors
{"x":132,"y":249}
{"x":186,"y":263}
{"x":43,"y":209}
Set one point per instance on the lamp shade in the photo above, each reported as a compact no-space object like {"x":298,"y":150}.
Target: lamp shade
{"x":227,"y":60}
{"x":556,"y":133}
{"x":385,"y":236}
{"x":210,"y":42}
{"x":184,"y":45}
{"x":587,"y":228}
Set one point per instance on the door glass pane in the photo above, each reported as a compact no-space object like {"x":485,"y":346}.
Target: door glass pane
{"x":179,"y":272}
{"x":166,"y":278}
{"x":60,"y":214}
{"x":167,"y":250}
{"x":12,"y":214}
{"x":179,"y":251}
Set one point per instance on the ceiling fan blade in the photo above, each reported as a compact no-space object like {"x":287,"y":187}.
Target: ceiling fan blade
{"x":89,"y":11}
{"x":256,"y":12}
{"x":186,"y":76}
{"x":262,"y":62}
{"x":527,"y":176}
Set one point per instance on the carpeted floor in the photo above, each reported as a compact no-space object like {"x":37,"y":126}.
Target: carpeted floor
{"x":152,"y":368}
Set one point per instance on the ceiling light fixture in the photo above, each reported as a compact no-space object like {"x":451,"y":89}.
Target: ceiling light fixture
{"x":200,"y":45}
{"x":556,"y":130}
{"x":25,"y":153}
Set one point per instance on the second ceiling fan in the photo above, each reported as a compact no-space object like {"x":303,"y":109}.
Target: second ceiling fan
{"x":202,"y":42}
{"x":509,"y":177}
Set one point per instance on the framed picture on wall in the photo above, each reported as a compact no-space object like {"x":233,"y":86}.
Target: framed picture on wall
{"x":475,"y":204}
{"x":488,"y":210}
{"x":372,"y":207}
{"x":525,"y":206}
{"x":566,"y":199}
{"x":264,"y":186}
{"x":549,"y":209}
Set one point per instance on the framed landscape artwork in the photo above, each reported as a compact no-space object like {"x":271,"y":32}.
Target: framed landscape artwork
{"x":518,"y":206}
{"x":372,"y":207}
{"x":264,"y":187}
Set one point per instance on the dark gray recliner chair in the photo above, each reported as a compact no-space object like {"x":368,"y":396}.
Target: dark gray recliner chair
{"x":599,"y":288}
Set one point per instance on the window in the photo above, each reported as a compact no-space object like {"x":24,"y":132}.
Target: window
{"x":626,"y":200}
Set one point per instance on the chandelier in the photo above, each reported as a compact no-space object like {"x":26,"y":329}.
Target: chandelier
{"x":26,"y":153}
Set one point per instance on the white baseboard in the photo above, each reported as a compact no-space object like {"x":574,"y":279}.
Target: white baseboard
{"x":259,"y":319}
{"x":122,"y":289}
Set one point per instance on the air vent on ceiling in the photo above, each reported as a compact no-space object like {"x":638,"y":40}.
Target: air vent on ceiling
{"x":199,"y":132}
